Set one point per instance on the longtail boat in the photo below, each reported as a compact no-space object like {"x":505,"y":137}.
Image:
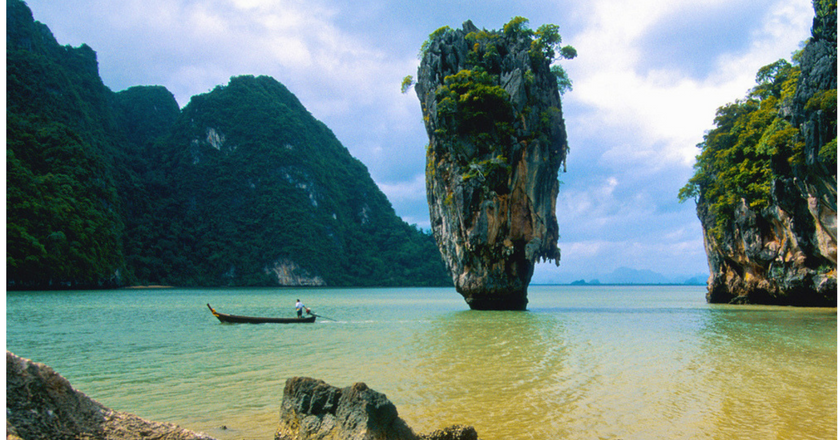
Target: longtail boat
{"x":224,"y":317}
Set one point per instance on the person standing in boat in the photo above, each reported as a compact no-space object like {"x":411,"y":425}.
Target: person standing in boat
{"x":299,"y":307}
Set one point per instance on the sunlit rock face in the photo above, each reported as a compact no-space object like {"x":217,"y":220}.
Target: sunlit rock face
{"x":496,"y":142}
{"x":786,"y":253}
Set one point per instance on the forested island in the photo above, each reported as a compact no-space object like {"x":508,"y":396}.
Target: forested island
{"x":766,"y":181}
{"x":241,"y":187}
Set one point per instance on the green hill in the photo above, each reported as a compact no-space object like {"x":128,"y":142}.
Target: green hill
{"x":242,"y":187}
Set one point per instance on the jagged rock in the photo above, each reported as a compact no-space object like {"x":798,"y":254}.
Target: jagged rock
{"x":457,"y":432}
{"x":492,"y":112}
{"x":786,"y":253}
{"x":289,"y":273}
{"x":41,"y":404}
{"x":313,"y":409}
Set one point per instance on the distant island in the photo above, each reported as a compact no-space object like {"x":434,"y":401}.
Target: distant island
{"x":622,"y":276}
{"x":595,"y":282}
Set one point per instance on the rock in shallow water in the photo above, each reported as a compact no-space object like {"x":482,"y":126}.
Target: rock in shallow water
{"x":497,"y":138}
{"x":786,"y":253}
{"x":313,"y":409}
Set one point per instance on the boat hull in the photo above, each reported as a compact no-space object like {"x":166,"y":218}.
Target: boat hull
{"x":237,"y":319}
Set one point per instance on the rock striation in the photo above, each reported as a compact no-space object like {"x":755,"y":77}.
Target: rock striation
{"x":786,"y":252}
{"x":41,"y":404}
{"x":497,"y":138}
{"x":312,"y":409}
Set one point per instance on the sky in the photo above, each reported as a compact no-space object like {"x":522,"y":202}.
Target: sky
{"x":646,"y":83}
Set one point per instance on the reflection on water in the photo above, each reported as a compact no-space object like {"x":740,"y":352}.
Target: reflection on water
{"x":582,"y":363}
{"x":497,"y":370}
{"x":772,"y":372}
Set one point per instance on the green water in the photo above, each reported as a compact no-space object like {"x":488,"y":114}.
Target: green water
{"x":582,"y":363}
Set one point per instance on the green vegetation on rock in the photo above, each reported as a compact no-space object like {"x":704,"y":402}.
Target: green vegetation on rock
{"x":491,"y":107}
{"x":473,"y":106}
{"x":753,"y":143}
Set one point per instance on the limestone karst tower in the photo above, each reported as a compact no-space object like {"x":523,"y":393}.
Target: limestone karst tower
{"x":497,"y":138}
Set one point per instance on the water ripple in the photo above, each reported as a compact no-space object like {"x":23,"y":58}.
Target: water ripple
{"x":629,"y":363}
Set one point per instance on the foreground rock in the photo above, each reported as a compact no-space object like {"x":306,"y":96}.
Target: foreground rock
{"x":40,"y":404}
{"x":497,"y":138}
{"x":312,"y":409}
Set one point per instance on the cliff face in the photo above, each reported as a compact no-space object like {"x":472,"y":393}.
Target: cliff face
{"x":786,"y":252}
{"x":496,"y":142}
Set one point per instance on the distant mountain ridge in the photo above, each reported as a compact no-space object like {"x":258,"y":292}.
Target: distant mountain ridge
{"x":624,"y":275}
{"x":243,"y":187}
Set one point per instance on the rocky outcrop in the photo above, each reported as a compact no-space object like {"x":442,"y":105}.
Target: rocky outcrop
{"x":497,"y":138}
{"x":41,"y":404}
{"x":773,"y":257}
{"x":786,"y":253}
{"x":456,"y":432}
{"x":289,"y":273}
{"x":312,"y":409}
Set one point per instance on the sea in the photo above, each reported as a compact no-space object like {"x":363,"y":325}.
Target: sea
{"x":583,"y":362}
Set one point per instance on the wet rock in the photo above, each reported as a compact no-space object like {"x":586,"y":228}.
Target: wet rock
{"x":457,"y":432}
{"x":313,"y":409}
{"x":41,"y":404}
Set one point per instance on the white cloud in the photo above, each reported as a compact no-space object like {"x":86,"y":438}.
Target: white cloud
{"x":666,"y":110}
{"x":414,"y":189}
{"x":633,"y":127}
{"x":601,"y":209}
{"x":681,"y":255}
{"x":408,"y":196}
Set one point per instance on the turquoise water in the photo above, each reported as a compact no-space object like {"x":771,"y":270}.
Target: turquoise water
{"x":582,"y":363}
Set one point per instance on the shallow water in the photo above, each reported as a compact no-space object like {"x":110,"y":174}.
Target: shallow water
{"x":582,"y":363}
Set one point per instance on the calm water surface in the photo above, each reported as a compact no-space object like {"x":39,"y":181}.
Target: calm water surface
{"x":582,"y":363}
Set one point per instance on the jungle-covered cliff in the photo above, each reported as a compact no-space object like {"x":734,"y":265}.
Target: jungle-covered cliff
{"x":241,"y":187}
{"x":766,"y":181}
